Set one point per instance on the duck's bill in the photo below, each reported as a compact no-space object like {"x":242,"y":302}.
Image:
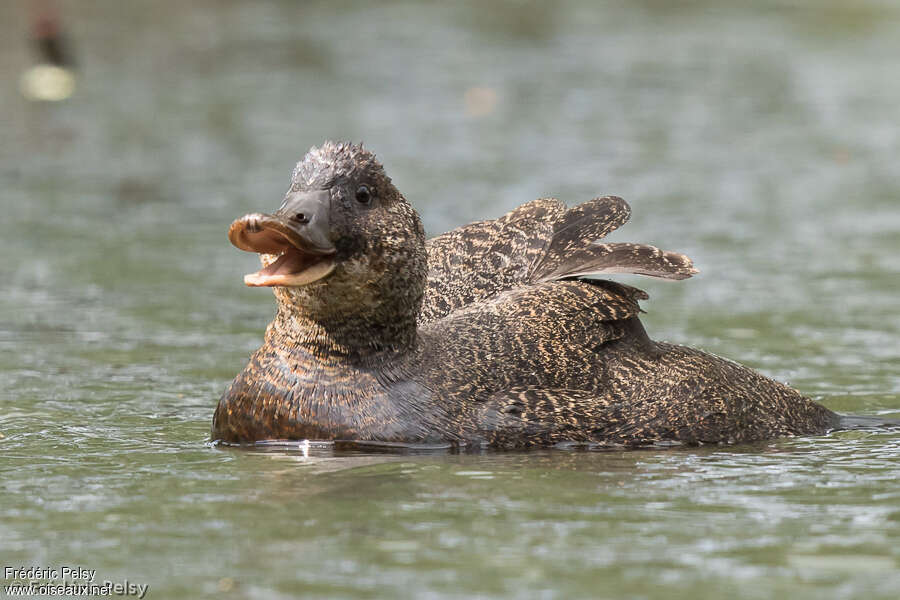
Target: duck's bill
{"x":291,"y":257}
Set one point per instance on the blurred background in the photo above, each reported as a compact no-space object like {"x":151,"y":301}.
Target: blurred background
{"x":759,"y":138}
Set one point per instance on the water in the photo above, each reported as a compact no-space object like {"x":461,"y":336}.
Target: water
{"x":761,"y":141}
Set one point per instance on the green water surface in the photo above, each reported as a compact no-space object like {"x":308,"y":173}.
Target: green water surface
{"x":761,"y":139}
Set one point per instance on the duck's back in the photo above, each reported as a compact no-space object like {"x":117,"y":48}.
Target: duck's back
{"x":569,"y":361}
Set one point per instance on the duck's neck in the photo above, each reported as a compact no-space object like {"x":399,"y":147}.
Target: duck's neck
{"x":356,"y":338}
{"x":366,"y":311}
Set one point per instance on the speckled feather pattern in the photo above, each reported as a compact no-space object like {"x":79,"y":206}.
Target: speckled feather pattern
{"x":486,"y":335}
{"x":483,"y":258}
{"x":537,"y":242}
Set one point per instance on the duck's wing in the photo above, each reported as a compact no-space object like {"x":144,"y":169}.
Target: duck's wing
{"x":527,"y":363}
{"x":548,"y":333}
{"x":538,"y":242}
{"x":484,"y":258}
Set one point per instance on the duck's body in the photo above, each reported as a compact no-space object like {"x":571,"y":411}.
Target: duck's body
{"x":509,"y":348}
{"x":492,"y":375}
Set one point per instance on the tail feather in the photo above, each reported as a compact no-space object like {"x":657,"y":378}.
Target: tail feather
{"x":640,"y":259}
{"x":574,"y":249}
{"x":588,"y":222}
{"x":538,"y":242}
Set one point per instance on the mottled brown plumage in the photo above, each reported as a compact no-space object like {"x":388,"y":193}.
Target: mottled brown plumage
{"x":487,"y":334}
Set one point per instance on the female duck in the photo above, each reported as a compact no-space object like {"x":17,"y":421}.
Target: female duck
{"x":489,"y":334}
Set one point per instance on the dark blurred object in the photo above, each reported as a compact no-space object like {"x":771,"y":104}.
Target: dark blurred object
{"x":53,"y":78}
{"x":50,"y":41}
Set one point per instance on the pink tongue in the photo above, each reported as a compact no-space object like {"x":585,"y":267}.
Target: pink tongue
{"x":291,"y":269}
{"x":287,"y":263}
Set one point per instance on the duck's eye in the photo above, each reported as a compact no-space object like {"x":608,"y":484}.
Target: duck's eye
{"x":363,"y":195}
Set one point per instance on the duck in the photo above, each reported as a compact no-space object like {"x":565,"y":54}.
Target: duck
{"x":502,"y":333}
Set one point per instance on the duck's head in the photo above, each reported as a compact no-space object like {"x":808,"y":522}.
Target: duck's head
{"x":344,"y":242}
